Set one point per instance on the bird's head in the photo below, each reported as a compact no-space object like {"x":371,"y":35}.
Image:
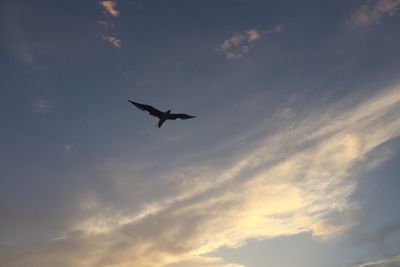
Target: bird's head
{"x":169,"y":111}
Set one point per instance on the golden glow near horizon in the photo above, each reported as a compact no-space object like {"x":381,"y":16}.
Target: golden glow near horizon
{"x":307,"y":189}
{"x":297,"y":112}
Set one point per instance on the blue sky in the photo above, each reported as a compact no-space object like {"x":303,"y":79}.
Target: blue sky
{"x":292,"y":159}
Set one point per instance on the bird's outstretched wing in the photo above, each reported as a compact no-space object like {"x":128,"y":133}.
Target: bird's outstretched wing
{"x":180,"y":116}
{"x":153,"y":111}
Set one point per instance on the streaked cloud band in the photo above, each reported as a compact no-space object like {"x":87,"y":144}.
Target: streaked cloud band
{"x":295,"y":181}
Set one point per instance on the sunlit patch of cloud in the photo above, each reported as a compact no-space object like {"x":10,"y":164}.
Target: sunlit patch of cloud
{"x":240,"y":44}
{"x":371,"y":12}
{"x":294,"y":181}
{"x":107,"y":27}
{"x":116,"y":42}
{"x":202,"y":261}
{"x":110,"y":6}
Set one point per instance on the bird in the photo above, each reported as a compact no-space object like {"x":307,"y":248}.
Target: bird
{"x":162,"y":116}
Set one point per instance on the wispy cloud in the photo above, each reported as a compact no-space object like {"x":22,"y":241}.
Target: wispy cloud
{"x":239,"y":44}
{"x":69,"y":150}
{"x":105,"y":24}
{"x":110,"y":6}
{"x":16,"y":38}
{"x":294,"y":181}
{"x":113,"y":40}
{"x":389,"y":262}
{"x":108,"y":34}
{"x":371,"y":12}
{"x":41,"y":105}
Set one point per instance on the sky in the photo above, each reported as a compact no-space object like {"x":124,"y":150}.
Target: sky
{"x":292,"y":159}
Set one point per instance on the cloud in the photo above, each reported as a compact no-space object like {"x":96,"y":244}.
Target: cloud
{"x":371,"y":12}
{"x":69,"y":150}
{"x":41,"y":105}
{"x":105,"y":24}
{"x":297,"y":180}
{"x":110,"y":6}
{"x":113,"y":40}
{"x":16,"y":38}
{"x":389,"y":262}
{"x":253,"y":35}
{"x":239,"y":44}
{"x":107,"y":34}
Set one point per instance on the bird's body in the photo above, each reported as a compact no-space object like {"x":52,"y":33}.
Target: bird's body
{"x":162,"y":116}
{"x":165,"y":116}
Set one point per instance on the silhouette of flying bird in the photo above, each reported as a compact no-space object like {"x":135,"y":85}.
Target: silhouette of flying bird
{"x":162,"y":116}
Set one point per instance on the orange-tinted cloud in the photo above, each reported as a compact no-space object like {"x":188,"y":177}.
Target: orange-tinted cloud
{"x":372,"y":12}
{"x":110,"y":6}
{"x":239,"y":44}
{"x":108,"y":34}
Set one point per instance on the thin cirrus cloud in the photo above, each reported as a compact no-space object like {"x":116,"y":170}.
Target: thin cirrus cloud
{"x":115,"y":41}
{"x":41,"y":105}
{"x":18,"y":42}
{"x":110,"y":7}
{"x":68,"y":149}
{"x":294,"y":181}
{"x":105,"y":24}
{"x":371,"y":12}
{"x":389,"y":262}
{"x":240,"y":44}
